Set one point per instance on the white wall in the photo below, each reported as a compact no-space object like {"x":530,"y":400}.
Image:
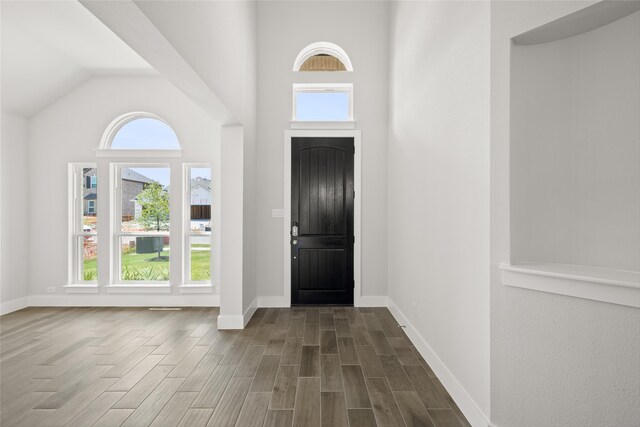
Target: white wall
{"x":219,"y":41}
{"x":284,"y":29}
{"x":575,"y":149}
{"x":70,"y":131}
{"x":439,"y":187}
{"x":555,"y":360}
{"x":15,"y":226}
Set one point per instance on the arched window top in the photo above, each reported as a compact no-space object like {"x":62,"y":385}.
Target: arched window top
{"x":139,"y":131}
{"x":322,"y":56}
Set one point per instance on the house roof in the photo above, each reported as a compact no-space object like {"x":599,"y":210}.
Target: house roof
{"x":131,"y":175}
{"x":202,"y":182}
{"x":91,"y":196}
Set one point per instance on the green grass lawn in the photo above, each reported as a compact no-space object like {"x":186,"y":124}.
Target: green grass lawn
{"x":148,"y":267}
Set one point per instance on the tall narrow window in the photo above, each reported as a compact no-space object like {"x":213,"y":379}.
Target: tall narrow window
{"x":143,"y":220}
{"x":198,"y":197}
{"x":84,"y":224}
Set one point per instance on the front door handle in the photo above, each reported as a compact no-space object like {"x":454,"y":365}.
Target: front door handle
{"x":294,"y":242}
{"x":294,"y":229}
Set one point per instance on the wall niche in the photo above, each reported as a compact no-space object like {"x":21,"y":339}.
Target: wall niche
{"x":575,"y":153}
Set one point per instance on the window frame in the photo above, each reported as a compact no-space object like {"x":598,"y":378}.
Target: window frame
{"x":320,"y":88}
{"x":188,"y":233}
{"x":91,"y":205}
{"x":117,"y":233}
{"x":76,"y":232}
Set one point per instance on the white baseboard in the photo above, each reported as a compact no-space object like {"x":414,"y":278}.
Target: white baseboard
{"x":467,"y":405}
{"x":371,"y":301}
{"x":270,"y":301}
{"x":14,"y":305}
{"x":124,"y":300}
{"x":237,"y":321}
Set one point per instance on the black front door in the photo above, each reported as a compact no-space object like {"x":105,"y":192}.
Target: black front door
{"x":322,"y":237}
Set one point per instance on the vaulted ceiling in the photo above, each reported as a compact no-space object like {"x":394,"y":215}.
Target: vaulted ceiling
{"x":49,"y":48}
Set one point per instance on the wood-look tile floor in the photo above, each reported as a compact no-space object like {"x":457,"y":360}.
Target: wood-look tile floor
{"x":304,"y":366}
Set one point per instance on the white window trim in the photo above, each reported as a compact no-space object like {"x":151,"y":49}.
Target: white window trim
{"x":194,"y":286}
{"x":319,"y":48}
{"x":322,"y":87}
{"x":118,"y":284}
{"x":105,"y":149}
{"x":74,"y":214}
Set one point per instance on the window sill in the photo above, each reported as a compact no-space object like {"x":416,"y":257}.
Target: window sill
{"x":81,"y":288}
{"x":193,"y":288}
{"x":598,"y":284}
{"x":152,"y":288}
{"x":103,"y":152}
{"x":322,"y":125}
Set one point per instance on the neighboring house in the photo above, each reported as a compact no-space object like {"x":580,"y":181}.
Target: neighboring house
{"x":200,"y":198}
{"x":89,"y":192}
{"x":132,"y":183}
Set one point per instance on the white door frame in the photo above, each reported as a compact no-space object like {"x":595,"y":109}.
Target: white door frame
{"x":357,"y":205}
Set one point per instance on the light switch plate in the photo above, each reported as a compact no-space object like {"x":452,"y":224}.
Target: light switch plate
{"x":277,"y":213}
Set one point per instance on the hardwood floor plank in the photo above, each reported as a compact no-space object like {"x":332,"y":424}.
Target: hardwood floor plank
{"x":398,"y":380}
{"x":235,"y":353}
{"x":361,"y":418}
{"x":342,"y":327}
{"x":296,"y":329}
{"x":199,"y":376}
{"x":143,"y":388}
{"x":347,"y":351}
{"x":369,"y":361}
{"x":380,"y":343}
{"x":326,"y":321}
{"x":174,"y":410}
{"x":412,"y":409}
{"x":278,"y":418}
{"x":328,"y":342}
{"x":138,"y":372}
{"x":262,"y":335}
{"x":313,"y":315}
{"x":311,"y":334}
{"x":189,"y":362}
{"x":276,"y":342}
{"x":444,"y":418}
{"x":254,"y":410}
{"x":403,"y":352}
{"x":355,"y":387}
{"x":310,"y":361}
{"x":250,"y":361}
{"x":291,"y":351}
{"x":214,"y":387}
{"x":227,"y":411}
{"x":427,"y":390}
{"x":333,"y":409}
{"x":284,"y":390}
{"x":384,"y":405}
{"x":360,"y":335}
{"x":306,"y":412}
{"x":153,"y":404}
{"x":129,"y":362}
{"x":330,"y":373}
{"x":113,"y":418}
{"x":196,"y":417}
{"x":180,"y":351}
{"x":266,"y":375}
{"x":96,"y":409}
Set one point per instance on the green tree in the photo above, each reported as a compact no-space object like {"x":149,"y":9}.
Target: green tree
{"x":155,"y":209}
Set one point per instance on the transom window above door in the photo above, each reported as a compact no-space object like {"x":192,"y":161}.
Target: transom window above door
{"x":323,"y":102}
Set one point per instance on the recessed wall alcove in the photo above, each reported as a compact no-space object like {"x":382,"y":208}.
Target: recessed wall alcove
{"x":575,"y":156}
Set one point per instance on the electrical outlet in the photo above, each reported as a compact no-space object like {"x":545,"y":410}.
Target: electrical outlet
{"x":51,"y":289}
{"x":277,"y":213}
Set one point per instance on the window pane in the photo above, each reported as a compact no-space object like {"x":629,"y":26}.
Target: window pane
{"x":200,"y":196}
{"x":145,"y":134}
{"x":200,"y":258}
{"x":322,"y":106}
{"x":89,"y":258}
{"x":89,"y":200}
{"x":144,"y":196}
{"x":144,"y":258}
